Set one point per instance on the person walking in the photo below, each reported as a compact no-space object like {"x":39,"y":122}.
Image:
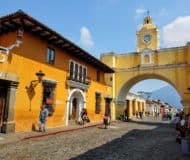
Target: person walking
{"x":42,"y":118}
{"x":140,"y":114}
{"x":183,"y":133}
{"x":84,"y":116}
{"x":126,"y":114}
{"x":176,"y":122}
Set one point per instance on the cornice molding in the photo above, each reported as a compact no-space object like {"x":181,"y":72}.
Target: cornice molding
{"x":148,"y":67}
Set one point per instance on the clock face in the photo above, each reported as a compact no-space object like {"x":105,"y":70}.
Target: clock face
{"x":147,"y":38}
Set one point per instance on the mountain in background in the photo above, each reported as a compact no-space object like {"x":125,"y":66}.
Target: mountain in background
{"x":168,"y":95}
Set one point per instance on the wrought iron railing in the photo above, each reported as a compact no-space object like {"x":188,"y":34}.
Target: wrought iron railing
{"x":84,"y":80}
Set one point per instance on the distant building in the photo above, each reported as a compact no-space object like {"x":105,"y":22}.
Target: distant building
{"x":134,"y":104}
{"x":153,"y":108}
{"x":158,"y":107}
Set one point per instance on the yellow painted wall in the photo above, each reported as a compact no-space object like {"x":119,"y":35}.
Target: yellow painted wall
{"x":28,"y":59}
{"x":154,"y":42}
{"x":170,"y":65}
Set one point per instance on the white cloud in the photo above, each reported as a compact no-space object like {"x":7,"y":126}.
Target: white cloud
{"x":177,"y":32}
{"x":139,"y":12}
{"x":85,"y":37}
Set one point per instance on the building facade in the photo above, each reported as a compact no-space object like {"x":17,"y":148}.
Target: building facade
{"x":39,"y":66}
{"x":135,"y":104}
{"x":171,"y":65}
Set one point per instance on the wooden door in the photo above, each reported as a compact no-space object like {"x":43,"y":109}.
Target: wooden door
{"x":128,"y":107}
{"x":3,"y":93}
{"x":74,"y":108}
{"x":108,"y":107}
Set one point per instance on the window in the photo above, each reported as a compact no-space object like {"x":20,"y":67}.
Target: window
{"x":71,"y":71}
{"x":98,"y":103}
{"x":84,"y":75}
{"x":80,"y":74}
{"x":98,"y":76}
{"x":50,"y":56}
{"x":76,"y":71}
{"x":48,"y":95}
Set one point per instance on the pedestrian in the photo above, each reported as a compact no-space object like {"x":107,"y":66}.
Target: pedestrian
{"x":136,"y":114}
{"x":42,"y":118}
{"x":176,"y":122}
{"x":106,"y":120}
{"x":84,"y":116}
{"x":188,"y":121}
{"x":126,"y":114}
{"x":140,"y":114}
{"x":183,"y":132}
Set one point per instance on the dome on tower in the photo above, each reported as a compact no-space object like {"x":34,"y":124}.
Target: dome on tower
{"x":148,"y":23}
{"x":148,"y":20}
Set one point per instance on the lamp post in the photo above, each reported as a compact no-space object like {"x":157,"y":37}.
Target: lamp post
{"x":40,"y":75}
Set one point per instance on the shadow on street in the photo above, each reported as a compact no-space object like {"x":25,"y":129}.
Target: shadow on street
{"x":155,"y":144}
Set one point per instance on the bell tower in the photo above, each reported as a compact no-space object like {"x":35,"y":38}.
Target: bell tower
{"x":148,"y":35}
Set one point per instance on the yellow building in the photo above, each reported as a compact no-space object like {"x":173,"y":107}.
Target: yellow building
{"x":171,"y":65}
{"x":135,"y":104}
{"x":37,"y":66}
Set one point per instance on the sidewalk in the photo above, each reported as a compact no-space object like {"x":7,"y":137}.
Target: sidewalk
{"x":12,"y":138}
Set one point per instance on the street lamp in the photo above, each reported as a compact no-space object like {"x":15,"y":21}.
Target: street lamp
{"x":40,"y":75}
{"x":34,"y":83}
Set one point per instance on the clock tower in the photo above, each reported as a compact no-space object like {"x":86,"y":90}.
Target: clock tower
{"x":148,"y":36}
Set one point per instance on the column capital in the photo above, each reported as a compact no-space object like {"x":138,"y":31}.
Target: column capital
{"x":13,"y":84}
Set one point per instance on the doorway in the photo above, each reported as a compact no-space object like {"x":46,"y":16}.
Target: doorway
{"x":75,"y":105}
{"x":74,"y":109}
{"x":108,"y":106}
{"x":127,"y":108}
{"x":3,"y":99}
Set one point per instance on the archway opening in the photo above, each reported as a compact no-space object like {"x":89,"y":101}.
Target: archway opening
{"x":137,"y":92}
{"x":158,"y":89}
{"x":76,"y":103}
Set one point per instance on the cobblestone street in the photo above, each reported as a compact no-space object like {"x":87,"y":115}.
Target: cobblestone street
{"x":138,"y":140}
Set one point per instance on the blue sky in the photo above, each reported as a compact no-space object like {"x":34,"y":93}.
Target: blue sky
{"x":106,"y":25}
{"x":101,"y":26}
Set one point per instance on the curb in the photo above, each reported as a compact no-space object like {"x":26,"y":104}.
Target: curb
{"x":58,"y":132}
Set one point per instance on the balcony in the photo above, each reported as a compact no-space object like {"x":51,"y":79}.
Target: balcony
{"x":78,"y":82}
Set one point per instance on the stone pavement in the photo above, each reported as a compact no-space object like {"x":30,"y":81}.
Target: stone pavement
{"x":16,"y":137}
{"x":147,"y":139}
{"x":12,"y":138}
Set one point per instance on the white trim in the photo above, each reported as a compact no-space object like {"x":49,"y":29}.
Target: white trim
{"x":81,"y":103}
{"x":147,"y":52}
{"x":77,"y":84}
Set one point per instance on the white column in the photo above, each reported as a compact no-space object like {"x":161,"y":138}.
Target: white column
{"x":142,"y":58}
{"x":79,"y":108}
{"x":67,"y":113}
